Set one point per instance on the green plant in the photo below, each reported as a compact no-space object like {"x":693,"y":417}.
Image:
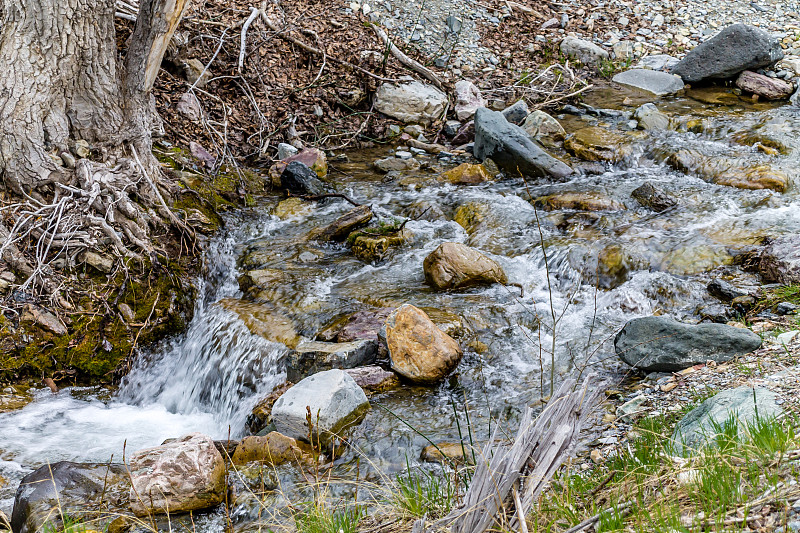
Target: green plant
{"x":319,"y":518}
{"x":423,"y":493}
{"x":68,"y":525}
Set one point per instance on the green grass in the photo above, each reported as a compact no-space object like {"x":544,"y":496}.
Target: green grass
{"x":422,"y":493}
{"x":772,"y":297}
{"x":320,"y":518}
{"x":68,"y":525}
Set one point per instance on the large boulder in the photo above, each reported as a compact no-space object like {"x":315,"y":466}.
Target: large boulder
{"x":418,"y":349}
{"x":744,"y":405}
{"x":185,"y":474}
{"x":764,"y":86}
{"x":335,"y":401}
{"x":411,"y":101}
{"x":52,"y":491}
{"x":662,"y":344}
{"x":454,"y":265}
{"x":780,"y":260}
{"x":586,"y":52}
{"x":310,"y":357}
{"x":510,"y":147}
{"x":651,"y":81}
{"x":468,"y":100}
{"x":736,"y":48}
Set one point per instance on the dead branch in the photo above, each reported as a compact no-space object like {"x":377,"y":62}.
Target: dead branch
{"x":405,"y":60}
{"x":323,"y":196}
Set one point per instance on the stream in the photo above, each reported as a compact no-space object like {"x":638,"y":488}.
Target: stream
{"x":209,"y":378}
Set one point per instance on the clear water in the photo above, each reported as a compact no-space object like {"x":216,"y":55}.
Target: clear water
{"x":208,"y":379}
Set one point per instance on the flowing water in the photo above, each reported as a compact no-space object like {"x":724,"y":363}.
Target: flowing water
{"x":209,"y":378}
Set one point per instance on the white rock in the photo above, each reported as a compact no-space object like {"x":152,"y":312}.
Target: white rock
{"x":468,"y":100}
{"x":286,"y":150}
{"x":411,"y":101}
{"x":788,"y":337}
{"x":335,"y":400}
{"x":586,"y":52}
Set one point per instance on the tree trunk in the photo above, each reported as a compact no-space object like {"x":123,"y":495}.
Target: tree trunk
{"x":63,"y":81}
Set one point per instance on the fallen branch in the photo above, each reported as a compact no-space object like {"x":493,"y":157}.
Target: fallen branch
{"x":405,"y":60}
{"x":253,"y":15}
{"x":323,"y":196}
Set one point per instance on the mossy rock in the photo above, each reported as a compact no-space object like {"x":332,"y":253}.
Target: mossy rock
{"x":371,"y":247}
{"x":292,"y":207}
{"x":598,"y":144}
{"x":470,"y":215}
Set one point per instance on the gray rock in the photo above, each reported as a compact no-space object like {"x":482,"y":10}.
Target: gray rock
{"x":736,"y":48}
{"x":300,"y":179}
{"x":336,"y":403}
{"x":189,"y":106}
{"x":662,"y":344}
{"x":780,"y":260}
{"x":517,"y":112}
{"x":795,"y":99}
{"x":786,"y":308}
{"x":286,"y":150}
{"x":511,"y":149}
{"x":724,"y":291}
{"x":648,"y":117}
{"x":64,"y":488}
{"x":658,"y":62}
{"x":653,"y":197}
{"x":310,"y":357}
{"x":451,"y":128}
{"x":395,"y":164}
{"x":652,"y":81}
{"x":715,"y":313}
{"x":539,"y":125}
{"x":743,"y":404}
{"x":586,"y":52}
{"x":410,"y":101}
{"x":468,"y":100}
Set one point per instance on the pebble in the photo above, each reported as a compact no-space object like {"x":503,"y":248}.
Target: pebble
{"x":402,"y":154}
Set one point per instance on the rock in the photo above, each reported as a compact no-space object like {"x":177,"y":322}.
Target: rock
{"x":581,"y":201}
{"x":311,"y":157}
{"x":453,"y":266}
{"x":652,"y":81}
{"x":728,"y":171}
{"x":184,"y":475}
{"x":694,"y":259}
{"x":787,"y":337}
{"x":658,"y":62}
{"x":662,"y":344}
{"x":623,"y":50}
{"x":395,"y":164}
{"x":650,"y":118}
{"x":361,"y":325}
{"x":517,"y":112}
{"x":468,"y":100}
{"x":373,"y":248}
{"x":451,"y":128}
{"x":724,"y":291}
{"x":540,"y":126}
{"x":264,"y":321}
{"x":339,"y":229}
{"x":614,"y":265}
{"x":33,"y":314}
{"x":795,"y":99}
{"x":715,"y":313}
{"x":193,"y":69}
{"x":292,"y":207}
{"x":736,"y":48}
{"x":586,"y":52}
{"x":298,"y":178}
{"x":628,"y":410}
{"x":653,"y":197}
{"x":310,"y":357}
{"x":467,"y":174}
{"x":374,"y":378}
{"x":97,"y":261}
{"x":336,"y":402}
{"x":286,"y":150}
{"x":273,"y":449}
{"x":598,"y":144}
{"x":418,"y":349}
{"x":411,"y":101}
{"x":189,"y":107}
{"x":64,"y":488}
{"x":415,"y":130}
{"x":447,"y":452}
{"x":764,"y":86}
{"x":780,"y":260}
{"x":786,"y":308}
{"x":511,"y":149}
{"x":743,"y":404}
{"x":260,"y":417}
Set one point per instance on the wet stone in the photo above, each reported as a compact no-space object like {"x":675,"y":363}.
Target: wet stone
{"x":650,"y":195}
{"x":724,"y":291}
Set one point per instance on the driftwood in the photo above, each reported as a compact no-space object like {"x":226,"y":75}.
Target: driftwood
{"x":416,"y":66}
{"x":539,"y":449}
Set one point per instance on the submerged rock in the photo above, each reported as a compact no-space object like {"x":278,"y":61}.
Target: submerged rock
{"x":467,"y":174}
{"x":742,"y":406}
{"x":468,"y":100}
{"x":371,"y":247}
{"x":780,"y":260}
{"x":336,"y":403}
{"x":662,"y":344}
{"x":186,"y":474}
{"x":310,"y":357}
{"x":418,"y":349}
{"x":411,"y":101}
{"x":727,"y":171}
{"x":55,"y":490}
{"x":292,"y":207}
{"x":447,"y":452}
{"x":454,"y":265}
{"x":586,"y":52}
{"x":653,"y":197}
{"x":272,"y":449}
{"x":736,"y":48}
{"x":764,"y":86}
{"x":510,"y":147}
{"x":598,"y":144}
{"x":651,"y":81}
{"x":581,"y":201}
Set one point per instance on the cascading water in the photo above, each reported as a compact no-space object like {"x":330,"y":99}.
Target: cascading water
{"x":209,"y":378}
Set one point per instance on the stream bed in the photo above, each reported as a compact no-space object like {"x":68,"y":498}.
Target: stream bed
{"x":208,"y":379}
